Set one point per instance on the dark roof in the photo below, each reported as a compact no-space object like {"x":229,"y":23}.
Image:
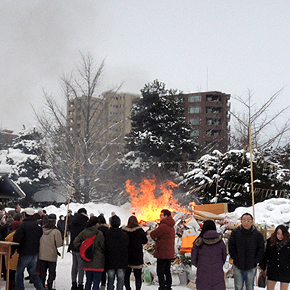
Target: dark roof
{"x":9,"y":189}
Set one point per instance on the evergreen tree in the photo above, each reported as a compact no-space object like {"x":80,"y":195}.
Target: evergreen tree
{"x":27,"y":159}
{"x":159,"y":130}
{"x":227,"y":178}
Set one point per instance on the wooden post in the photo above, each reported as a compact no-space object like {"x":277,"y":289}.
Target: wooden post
{"x":69,"y":198}
{"x":5,"y":250}
{"x":252,"y":171}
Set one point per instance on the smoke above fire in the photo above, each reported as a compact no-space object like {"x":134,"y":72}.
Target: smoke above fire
{"x":145,"y":204}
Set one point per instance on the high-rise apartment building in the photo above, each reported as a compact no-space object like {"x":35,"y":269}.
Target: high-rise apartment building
{"x":206,"y":112}
{"x":208,"y":115}
{"x":108,"y":116}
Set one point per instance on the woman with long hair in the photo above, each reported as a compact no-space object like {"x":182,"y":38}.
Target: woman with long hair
{"x":95,"y":266}
{"x":276,"y":261}
{"x":137,"y":238}
{"x":209,"y":254}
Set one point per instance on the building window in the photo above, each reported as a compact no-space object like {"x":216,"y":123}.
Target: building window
{"x":194,"y":133}
{"x":194,"y":121}
{"x":214,"y":133}
{"x":211,"y":121}
{"x":213,"y":98}
{"x":213,"y":109}
{"x":194,"y":110}
{"x":194,"y":99}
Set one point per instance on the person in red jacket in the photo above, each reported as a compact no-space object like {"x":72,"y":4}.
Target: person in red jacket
{"x":164,"y":237}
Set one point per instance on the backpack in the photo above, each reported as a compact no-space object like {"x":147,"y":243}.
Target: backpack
{"x":87,"y":249}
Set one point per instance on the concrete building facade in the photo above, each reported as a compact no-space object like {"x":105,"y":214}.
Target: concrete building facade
{"x":208,"y":114}
{"x":108,"y":115}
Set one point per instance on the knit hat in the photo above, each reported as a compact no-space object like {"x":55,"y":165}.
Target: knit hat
{"x":115,"y":221}
{"x":15,"y":225}
{"x":51,"y":217}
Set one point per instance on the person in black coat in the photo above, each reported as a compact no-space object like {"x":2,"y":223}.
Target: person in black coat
{"x":103,"y":227}
{"x":28,"y":236}
{"x":78,"y":224}
{"x":116,"y":253}
{"x":246,"y":248}
{"x":61,"y":225}
{"x":137,"y":238}
{"x":277,"y":259}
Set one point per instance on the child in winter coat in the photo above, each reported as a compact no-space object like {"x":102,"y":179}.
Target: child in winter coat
{"x":209,"y":254}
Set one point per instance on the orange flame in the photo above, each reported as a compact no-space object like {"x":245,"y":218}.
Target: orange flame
{"x":192,"y":204}
{"x":144,"y":203}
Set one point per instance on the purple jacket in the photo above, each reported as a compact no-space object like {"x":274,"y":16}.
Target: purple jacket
{"x":209,"y":254}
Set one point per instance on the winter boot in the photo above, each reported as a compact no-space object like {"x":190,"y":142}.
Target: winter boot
{"x":80,"y":287}
{"x":49,"y":285}
{"x":74,"y":286}
{"x":11,"y":284}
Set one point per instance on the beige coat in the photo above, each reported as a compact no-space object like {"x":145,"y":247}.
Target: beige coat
{"x":49,"y":242}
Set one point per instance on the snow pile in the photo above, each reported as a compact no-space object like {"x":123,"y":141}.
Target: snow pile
{"x":271,"y":212}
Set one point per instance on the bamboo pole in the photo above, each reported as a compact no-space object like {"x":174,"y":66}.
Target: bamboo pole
{"x":69,"y":198}
{"x":252,"y":171}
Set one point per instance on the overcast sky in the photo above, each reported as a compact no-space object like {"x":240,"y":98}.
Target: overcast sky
{"x":231,"y":46}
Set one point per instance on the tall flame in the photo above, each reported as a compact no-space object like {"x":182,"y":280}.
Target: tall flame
{"x":144,"y":203}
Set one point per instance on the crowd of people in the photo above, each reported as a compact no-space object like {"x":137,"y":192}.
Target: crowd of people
{"x":118,"y":251}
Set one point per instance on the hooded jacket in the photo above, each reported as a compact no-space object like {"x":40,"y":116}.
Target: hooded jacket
{"x":49,"y":242}
{"x":98,"y":261}
{"x":246,"y":247}
{"x":164,"y":237}
{"x":28,"y":235}
{"x":209,"y":254}
{"x":137,"y":238}
{"x":78,"y":223}
{"x":116,"y":253}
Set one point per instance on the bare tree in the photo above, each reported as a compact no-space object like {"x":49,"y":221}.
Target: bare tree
{"x":80,"y":132}
{"x":265,"y":131}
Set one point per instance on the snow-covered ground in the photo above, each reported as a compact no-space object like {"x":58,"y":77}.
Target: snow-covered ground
{"x":270,"y":212}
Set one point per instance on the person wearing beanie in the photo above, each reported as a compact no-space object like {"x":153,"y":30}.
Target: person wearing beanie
{"x":95,"y":267}
{"x":116,"y":253}
{"x":103,"y":227}
{"x":49,"y":242}
{"x":14,"y":257}
{"x":28,"y":236}
{"x":78,"y":224}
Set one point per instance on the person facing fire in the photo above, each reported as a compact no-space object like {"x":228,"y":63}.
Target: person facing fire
{"x":137,"y":238}
{"x":164,"y":237}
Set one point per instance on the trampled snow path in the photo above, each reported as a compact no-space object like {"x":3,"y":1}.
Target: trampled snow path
{"x":63,"y":278}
